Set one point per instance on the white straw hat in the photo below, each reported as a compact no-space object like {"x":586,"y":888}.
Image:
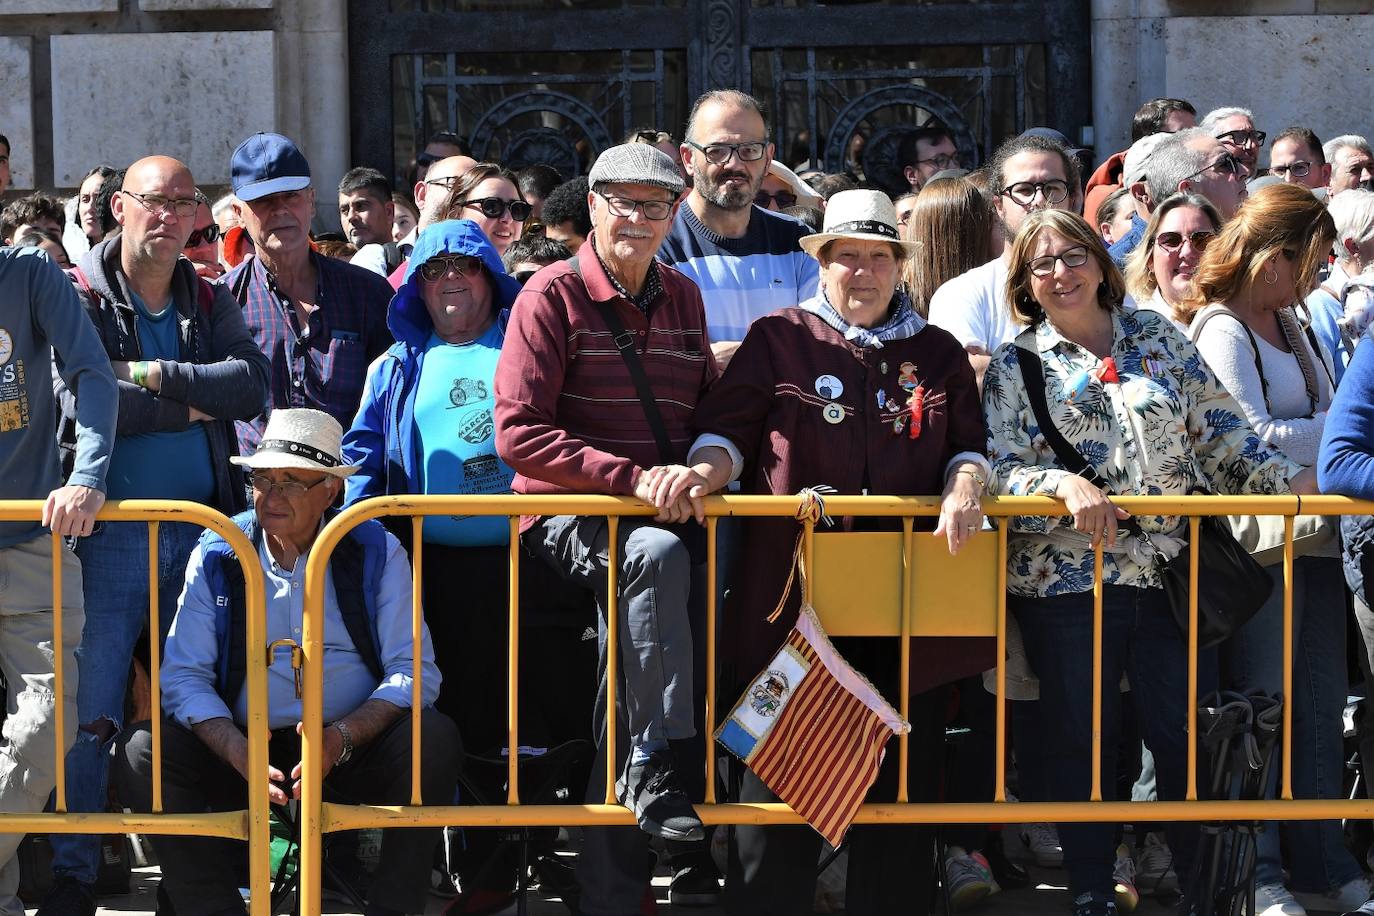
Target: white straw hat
{"x":858,"y":214}
{"x":301,"y":438}
{"x":806,"y":195}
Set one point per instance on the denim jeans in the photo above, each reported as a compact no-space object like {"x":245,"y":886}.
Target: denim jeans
{"x":1252,"y":662}
{"x":1141,"y":639}
{"x":114,"y":560}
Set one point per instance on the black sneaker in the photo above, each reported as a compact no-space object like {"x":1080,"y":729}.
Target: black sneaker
{"x":694,"y":885}
{"x":652,"y":791}
{"x":68,"y":897}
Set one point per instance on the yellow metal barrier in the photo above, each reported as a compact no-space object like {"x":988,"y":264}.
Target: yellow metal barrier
{"x":251,"y":825}
{"x":910,"y":601}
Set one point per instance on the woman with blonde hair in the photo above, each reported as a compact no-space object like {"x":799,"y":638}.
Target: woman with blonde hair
{"x":1137,"y":413}
{"x":1263,"y":263}
{"x":1159,"y":272}
{"x":952,"y":223}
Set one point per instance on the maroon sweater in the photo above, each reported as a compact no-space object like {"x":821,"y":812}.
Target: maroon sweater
{"x":767,"y":404}
{"x":567,"y":415}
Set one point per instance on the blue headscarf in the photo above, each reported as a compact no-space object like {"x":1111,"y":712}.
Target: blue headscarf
{"x":407,"y":316}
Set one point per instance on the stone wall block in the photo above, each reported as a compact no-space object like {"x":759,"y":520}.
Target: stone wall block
{"x":194,"y":96}
{"x":1327,"y":69}
{"x":42,"y":7}
{"x":16,"y":107}
{"x":178,"y":5}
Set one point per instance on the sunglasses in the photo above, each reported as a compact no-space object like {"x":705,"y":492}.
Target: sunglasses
{"x":1173,"y":241}
{"x":493,"y":207}
{"x":785,"y":199}
{"x":1243,"y":137}
{"x":653,"y":136}
{"x":439,"y":267}
{"x":1228,"y":164}
{"x":202,"y":236}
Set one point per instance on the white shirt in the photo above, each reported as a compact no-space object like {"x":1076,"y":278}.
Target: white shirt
{"x":373,"y":257}
{"x":973,"y":307}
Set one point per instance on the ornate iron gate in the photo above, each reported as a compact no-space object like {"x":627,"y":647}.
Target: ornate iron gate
{"x":556,"y":81}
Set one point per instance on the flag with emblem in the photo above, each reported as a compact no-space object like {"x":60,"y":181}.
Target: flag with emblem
{"x":813,"y":729}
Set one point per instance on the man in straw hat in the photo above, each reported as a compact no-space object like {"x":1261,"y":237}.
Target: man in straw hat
{"x":605,"y":359}
{"x":296,"y":476}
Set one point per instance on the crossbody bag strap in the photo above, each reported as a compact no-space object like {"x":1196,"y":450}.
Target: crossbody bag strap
{"x":625,"y":343}
{"x":1206,"y":315}
{"x":1033,"y":377}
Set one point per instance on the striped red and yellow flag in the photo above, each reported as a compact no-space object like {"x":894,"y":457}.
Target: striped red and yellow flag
{"x":813,"y":730}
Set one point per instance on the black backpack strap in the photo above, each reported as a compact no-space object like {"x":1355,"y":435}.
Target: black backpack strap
{"x":392,"y":252}
{"x":625,"y":343}
{"x":237,"y":633}
{"x":347,"y":569}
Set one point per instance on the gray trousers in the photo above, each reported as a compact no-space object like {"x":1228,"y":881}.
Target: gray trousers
{"x":655,"y":692}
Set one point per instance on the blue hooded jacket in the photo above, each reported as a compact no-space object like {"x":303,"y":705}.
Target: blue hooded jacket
{"x":382,"y":440}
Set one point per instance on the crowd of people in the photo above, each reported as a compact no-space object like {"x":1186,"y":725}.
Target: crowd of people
{"x":688,"y":318}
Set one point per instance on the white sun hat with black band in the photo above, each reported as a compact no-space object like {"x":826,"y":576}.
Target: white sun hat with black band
{"x":858,"y":214}
{"x":301,"y":439}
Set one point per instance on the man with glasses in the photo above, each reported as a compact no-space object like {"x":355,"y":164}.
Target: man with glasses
{"x":1235,"y":129}
{"x":369,"y":669}
{"x":1296,"y":157}
{"x":1352,"y":163}
{"x":746,"y":260}
{"x":1027,"y":173}
{"x":187,"y":369}
{"x":605,"y":359}
{"x":925,"y":151}
{"x":430,"y":193}
{"x":1194,"y":160}
{"x":202,"y":245}
{"x":320,"y":321}
{"x":443,"y":144}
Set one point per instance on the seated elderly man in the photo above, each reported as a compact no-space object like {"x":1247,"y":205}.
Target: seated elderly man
{"x":296,"y":475}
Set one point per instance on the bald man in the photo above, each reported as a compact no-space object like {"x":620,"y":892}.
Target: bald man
{"x":187,"y":368}
{"x":430,"y":193}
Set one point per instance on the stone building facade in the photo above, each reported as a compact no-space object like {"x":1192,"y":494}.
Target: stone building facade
{"x":89,"y":81}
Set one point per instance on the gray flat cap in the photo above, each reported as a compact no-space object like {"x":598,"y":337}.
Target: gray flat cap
{"x":636,"y":163}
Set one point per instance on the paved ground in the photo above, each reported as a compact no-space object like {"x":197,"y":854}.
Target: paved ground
{"x":1048,"y":897}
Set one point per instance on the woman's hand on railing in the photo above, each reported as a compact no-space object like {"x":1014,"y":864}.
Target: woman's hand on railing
{"x":1093,"y":513}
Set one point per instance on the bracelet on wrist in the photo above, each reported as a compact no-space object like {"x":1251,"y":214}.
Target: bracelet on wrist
{"x":976,"y":475}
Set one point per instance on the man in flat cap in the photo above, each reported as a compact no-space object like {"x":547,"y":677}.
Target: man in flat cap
{"x":605,"y":359}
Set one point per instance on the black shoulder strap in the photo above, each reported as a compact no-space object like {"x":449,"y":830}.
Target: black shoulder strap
{"x":1317,"y":355}
{"x":392,"y":253}
{"x":1033,"y":377}
{"x":239,"y":289}
{"x":1195,"y":331}
{"x":347,"y":570}
{"x":625,"y":343}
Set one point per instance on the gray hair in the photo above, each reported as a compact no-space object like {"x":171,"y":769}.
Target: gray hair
{"x":1345,"y":141}
{"x":1173,"y":161}
{"x":1217,"y":115}
{"x":1353,"y":213}
{"x":224,"y":203}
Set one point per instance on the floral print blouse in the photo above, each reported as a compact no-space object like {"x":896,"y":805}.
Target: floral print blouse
{"x":1166,"y":421}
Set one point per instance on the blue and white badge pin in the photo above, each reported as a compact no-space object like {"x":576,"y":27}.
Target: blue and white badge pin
{"x":829,"y":387}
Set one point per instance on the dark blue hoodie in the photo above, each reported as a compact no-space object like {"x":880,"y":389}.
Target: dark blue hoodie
{"x":382,"y":440}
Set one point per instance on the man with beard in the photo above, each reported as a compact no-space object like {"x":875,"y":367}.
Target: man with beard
{"x":747,"y":260}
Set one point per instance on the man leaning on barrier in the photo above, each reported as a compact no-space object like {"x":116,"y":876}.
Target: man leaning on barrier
{"x":296,"y":475}
{"x":42,"y":321}
{"x":572,"y":416}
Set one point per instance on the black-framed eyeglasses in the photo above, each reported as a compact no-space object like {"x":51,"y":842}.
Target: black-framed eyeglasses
{"x":183,"y":207}
{"x":720,"y":153}
{"x":493,"y":207}
{"x":202,"y":236}
{"x":625,"y":206}
{"x":447,"y":182}
{"x":1173,"y":241}
{"x":1043,"y":266}
{"x":291,"y":489}
{"x":941,"y":162}
{"x":1228,"y":164}
{"x":653,"y":136}
{"x":784,"y":199}
{"x":440,"y":266}
{"x":1243,"y":138}
{"x":1299,"y":169}
{"x":1023,"y":192}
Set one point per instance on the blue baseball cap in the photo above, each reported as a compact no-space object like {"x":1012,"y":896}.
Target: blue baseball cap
{"x":267,"y":164}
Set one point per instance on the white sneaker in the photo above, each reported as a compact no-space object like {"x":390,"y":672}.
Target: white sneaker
{"x":1043,"y":842}
{"x":1349,"y":896}
{"x":1275,"y":900}
{"x":1123,"y":877}
{"x":1154,"y":865}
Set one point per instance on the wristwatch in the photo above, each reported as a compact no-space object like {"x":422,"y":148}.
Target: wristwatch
{"x":347,"y":751}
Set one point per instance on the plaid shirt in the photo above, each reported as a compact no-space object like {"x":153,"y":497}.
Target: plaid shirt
{"x":326,"y":366}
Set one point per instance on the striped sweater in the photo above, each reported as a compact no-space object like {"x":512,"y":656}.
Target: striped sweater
{"x":567,"y":416}
{"x":745,"y":278}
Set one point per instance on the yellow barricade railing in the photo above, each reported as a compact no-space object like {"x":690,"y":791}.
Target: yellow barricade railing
{"x":251,"y":825}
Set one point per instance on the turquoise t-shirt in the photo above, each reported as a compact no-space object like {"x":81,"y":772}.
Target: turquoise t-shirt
{"x":456,"y":429}
{"x":161,"y":465}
